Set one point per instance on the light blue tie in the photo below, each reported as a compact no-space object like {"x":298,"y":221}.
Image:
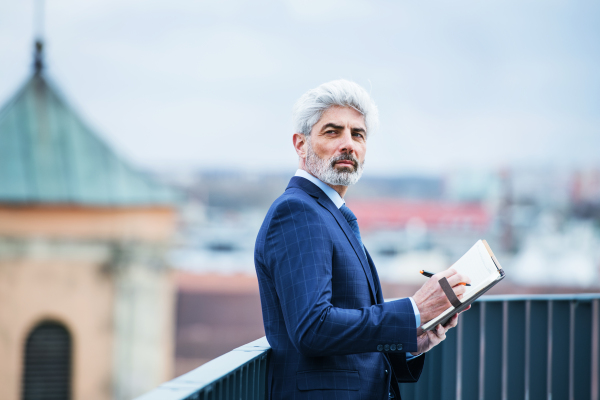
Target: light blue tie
{"x":352,"y":221}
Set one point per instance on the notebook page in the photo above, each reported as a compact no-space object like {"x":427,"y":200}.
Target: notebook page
{"x":477,"y":265}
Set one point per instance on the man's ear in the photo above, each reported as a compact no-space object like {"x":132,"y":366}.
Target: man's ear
{"x":300,"y":144}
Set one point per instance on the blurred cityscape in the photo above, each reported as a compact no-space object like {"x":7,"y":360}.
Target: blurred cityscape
{"x":544,"y":224}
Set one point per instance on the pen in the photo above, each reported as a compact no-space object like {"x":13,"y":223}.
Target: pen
{"x":428,"y":274}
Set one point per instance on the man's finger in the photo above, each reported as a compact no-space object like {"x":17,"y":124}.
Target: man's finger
{"x":459,"y":290}
{"x":453,"y":322}
{"x":445,"y":274}
{"x":433,"y":337}
{"x":468,"y":307}
{"x":456,"y":279}
{"x":440,"y":330}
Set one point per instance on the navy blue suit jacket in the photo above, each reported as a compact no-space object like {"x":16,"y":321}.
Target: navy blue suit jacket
{"x":331,"y":333}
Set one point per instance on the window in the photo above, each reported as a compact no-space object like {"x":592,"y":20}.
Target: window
{"x":47,"y":363}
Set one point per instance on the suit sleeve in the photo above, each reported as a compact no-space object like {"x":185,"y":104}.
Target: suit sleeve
{"x":298,"y":254}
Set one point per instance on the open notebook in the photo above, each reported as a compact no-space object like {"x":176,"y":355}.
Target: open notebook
{"x":479,"y":264}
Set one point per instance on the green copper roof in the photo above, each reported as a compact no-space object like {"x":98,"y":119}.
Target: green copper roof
{"x":49,"y":155}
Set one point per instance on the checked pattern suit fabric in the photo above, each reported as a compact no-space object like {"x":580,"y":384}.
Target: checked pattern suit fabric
{"x":332,"y":335}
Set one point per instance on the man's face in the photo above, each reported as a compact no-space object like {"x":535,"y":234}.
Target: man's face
{"x":337,"y":146}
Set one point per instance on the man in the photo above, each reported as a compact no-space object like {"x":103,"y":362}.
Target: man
{"x":331,"y":333}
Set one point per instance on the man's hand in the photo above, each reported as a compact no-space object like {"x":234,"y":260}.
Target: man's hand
{"x":427,"y":340}
{"x":431,"y":299}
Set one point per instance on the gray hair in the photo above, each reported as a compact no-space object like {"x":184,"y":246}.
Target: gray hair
{"x":311,"y":106}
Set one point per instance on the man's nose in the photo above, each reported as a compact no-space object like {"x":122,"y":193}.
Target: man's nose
{"x":347,"y":144}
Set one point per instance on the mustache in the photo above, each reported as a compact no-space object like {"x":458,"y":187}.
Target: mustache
{"x":345,"y":157}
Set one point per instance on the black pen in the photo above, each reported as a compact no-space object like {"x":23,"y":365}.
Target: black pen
{"x":428,"y":274}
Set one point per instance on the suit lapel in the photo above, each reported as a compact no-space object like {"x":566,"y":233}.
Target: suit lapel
{"x":326,"y":202}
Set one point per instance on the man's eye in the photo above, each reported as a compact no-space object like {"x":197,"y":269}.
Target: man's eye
{"x":358,"y":134}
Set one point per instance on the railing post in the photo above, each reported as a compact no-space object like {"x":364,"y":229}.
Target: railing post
{"x":482,"y":351}
{"x":527,"y":346}
{"x":505,"y":350}
{"x":459,"y":360}
{"x":595,"y":376}
{"x":549,"y":355}
{"x":572,"y":306}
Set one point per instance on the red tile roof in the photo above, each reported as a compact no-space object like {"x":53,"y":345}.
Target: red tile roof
{"x":395,"y":214}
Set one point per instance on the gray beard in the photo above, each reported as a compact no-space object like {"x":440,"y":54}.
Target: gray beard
{"x":326,"y":172}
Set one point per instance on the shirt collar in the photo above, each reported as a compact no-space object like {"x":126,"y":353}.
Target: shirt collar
{"x":332,"y":194}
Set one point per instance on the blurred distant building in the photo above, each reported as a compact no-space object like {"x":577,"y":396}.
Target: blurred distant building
{"x":404,"y":225}
{"x":434,"y":215}
{"x":86,"y":298}
{"x":585,"y":186}
{"x":585,"y":194}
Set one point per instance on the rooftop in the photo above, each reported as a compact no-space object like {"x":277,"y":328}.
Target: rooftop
{"x":49,"y":155}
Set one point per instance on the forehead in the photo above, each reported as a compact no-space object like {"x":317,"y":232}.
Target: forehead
{"x":344,"y":116}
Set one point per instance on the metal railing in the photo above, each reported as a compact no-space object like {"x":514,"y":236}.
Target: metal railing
{"x":517,"y":347}
{"x":239,"y":374}
{"x":506,"y":347}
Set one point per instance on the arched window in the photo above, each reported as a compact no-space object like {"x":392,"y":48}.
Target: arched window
{"x":47,"y":363}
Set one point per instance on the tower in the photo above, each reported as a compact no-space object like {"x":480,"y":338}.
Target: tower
{"x":86,"y":296}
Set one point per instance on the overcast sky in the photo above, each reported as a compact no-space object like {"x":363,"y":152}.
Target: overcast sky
{"x":191,"y":83}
